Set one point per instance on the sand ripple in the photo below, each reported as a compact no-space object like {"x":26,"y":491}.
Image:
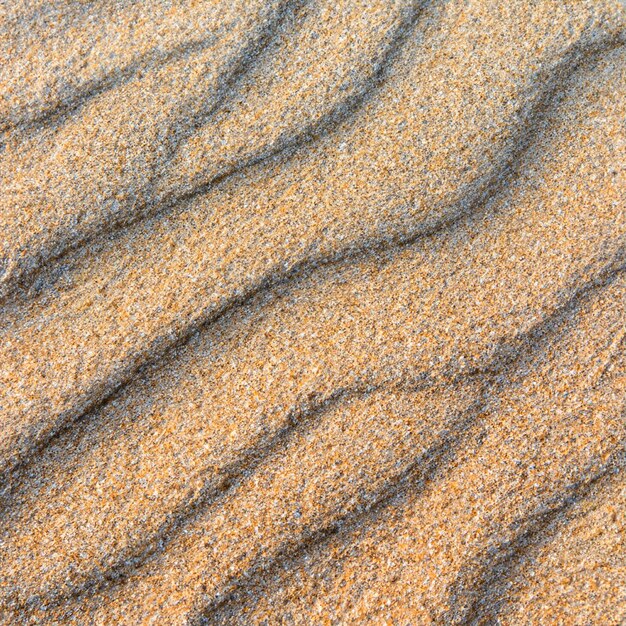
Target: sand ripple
{"x":312,"y":312}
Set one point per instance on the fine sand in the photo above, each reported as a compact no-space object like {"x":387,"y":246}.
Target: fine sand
{"x":313,"y":312}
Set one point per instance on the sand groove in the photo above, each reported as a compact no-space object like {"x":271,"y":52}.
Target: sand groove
{"x":100,"y":389}
{"x":312,"y":312}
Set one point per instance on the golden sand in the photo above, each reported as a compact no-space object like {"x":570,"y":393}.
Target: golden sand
{"x":313,"y":312}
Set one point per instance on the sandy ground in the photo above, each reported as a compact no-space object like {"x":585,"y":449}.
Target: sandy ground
{"x":312,"y":312}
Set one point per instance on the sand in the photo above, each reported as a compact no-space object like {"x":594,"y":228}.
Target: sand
{"x":312,"y":312}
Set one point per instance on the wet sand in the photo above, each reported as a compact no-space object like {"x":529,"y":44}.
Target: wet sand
{"x":312,"y":312}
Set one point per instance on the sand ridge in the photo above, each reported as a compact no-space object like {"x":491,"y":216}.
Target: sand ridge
{"x":313,"y":313}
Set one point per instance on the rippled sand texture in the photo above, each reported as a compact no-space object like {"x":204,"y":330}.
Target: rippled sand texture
{"x":312,"y":312}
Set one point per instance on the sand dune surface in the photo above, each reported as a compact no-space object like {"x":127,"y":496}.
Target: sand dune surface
{"x":312,"y":312}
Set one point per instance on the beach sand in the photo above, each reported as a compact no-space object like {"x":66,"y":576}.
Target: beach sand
{"x":312,"y":312}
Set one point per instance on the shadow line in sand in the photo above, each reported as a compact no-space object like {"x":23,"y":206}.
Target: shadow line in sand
{"x":466,"y":428}
{"x":22,"y":274}
{"x":472,"y":200}
{"x":485,"y":599}
{"x":493,"y":378}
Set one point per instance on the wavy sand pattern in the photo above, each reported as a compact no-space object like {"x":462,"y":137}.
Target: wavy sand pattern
{"x":312,"y":312}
